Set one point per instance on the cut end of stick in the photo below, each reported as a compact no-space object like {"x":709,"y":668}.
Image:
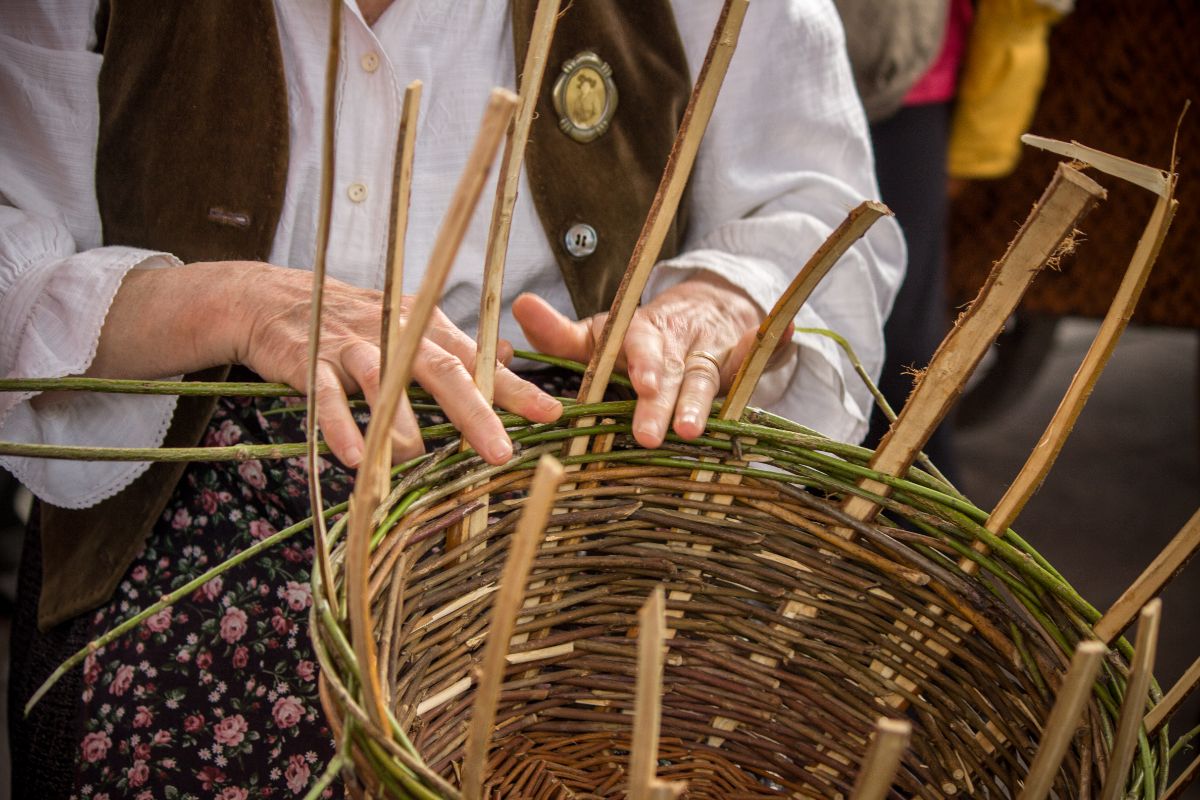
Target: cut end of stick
{"x":1064,"y":718}
{"x":643,"y":752}
{"x":507,"y":606}
{"x":501,"y":98}
{"x":882,"y":759}
{"x":856,"y":224}
{"x":1149,"y":178}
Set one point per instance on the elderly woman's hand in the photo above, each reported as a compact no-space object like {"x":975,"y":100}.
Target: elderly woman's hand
{"x":666,"y":351}
{"x":167,"y":321}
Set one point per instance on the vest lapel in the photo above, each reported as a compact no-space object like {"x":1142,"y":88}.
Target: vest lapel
{"x":609,"y":182}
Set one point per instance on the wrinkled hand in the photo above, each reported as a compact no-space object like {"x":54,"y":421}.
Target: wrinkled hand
{"x":702,"y":314}
{"x":274,"y":343}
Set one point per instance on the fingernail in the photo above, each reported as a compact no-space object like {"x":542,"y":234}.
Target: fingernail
{"x":410,"y":446}
{"x":547,"y":403}
{"x":689,"y":417}
{"x":499,"y":451}
{"x":353,"y":455}
{"x":648,"y":430}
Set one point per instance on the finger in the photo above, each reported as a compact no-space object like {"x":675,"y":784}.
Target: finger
{"x":515,"y":394}
{"x":782,"y":347}
{"x":361,"y":362}
{"x":655,"y":366}
{"x":445,"y":376}
{"x":512,"y":392}
{"x":550,"y":332}
{"x":406,"y":433}
{"x":504,"y":352}
{"x":701,"y":382}
{"x":333,"y":413}
{"x":731,"y":363}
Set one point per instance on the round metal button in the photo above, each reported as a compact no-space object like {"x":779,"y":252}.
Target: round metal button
{"x":357,"y":192}
{"x":581,"y":240}
{"x":370,"y":61}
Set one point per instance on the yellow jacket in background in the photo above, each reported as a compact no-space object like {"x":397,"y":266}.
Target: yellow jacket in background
{"x":1002,"y":78}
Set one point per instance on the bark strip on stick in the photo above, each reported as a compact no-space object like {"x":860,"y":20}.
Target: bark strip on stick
{"x":1070,"y":195}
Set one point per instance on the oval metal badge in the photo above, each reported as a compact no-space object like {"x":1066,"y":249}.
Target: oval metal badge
{"x":585,"y":97}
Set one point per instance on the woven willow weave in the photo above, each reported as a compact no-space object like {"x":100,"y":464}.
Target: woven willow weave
{"x":864,"y":644}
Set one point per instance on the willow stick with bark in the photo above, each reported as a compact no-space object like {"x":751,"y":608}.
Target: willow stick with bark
{"x":324,"y":221}
{"x":367,"y":490}
{"x":662,"y":209}
{"x":508,"y":181}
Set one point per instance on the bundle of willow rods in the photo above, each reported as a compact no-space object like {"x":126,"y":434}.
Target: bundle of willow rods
{"x":756,"y":703}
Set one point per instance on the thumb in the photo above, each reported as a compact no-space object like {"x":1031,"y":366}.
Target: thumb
{"x":550,"y":332}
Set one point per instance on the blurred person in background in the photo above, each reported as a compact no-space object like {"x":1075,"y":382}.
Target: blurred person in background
{"x":949,"y":86}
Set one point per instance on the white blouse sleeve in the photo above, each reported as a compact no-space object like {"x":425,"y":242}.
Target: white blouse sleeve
{"x":786,"y":157}
{"x":56,"y":281}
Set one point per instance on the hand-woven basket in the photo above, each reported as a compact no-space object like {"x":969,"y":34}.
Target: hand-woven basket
{"x":789,"y":640}
{"x":822,"y":602}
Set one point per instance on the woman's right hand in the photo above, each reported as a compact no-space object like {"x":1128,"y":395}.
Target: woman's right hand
{"x":258,"y":315}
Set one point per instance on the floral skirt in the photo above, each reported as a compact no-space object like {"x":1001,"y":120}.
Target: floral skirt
{"x":215,"y":696}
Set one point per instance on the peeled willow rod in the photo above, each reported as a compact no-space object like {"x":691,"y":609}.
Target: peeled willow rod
{"x":488,"y":336}
{"x":1174,"y":697}
{"x":1165,"y":566}
{"x":1133,"y":705}
{"x":368,"y":488}
{"x":1070,"y":195}
{"x":1064,"y":717}
{"x":1050,"y":444}
{"x":531,"y":528}
{"x":649,"y":244}
{"x":882,"y":760}
{"x":393,"y":287}
{"x":647,"y":708}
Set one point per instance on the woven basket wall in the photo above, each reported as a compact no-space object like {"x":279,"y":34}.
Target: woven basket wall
{"x":788,"y":639}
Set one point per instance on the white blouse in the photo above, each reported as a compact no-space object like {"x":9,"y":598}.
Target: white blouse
{"x":785,"y":158}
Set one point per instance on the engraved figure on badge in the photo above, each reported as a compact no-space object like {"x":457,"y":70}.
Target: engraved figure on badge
{"x":585,"y":97}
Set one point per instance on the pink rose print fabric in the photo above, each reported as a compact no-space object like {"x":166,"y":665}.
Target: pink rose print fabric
{"x":216,"y":696}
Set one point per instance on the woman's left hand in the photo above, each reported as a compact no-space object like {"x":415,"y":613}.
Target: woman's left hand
{"x":683,"y":348}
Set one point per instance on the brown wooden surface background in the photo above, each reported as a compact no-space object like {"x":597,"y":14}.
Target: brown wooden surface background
{"x":1120,"y":71}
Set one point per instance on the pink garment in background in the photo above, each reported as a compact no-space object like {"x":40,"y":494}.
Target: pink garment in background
{"x":940,"y":81}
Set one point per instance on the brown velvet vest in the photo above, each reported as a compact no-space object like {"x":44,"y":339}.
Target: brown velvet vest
{"x":192,"y":159}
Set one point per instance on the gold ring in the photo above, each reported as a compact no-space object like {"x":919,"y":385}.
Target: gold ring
{"x":703,"y":355}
